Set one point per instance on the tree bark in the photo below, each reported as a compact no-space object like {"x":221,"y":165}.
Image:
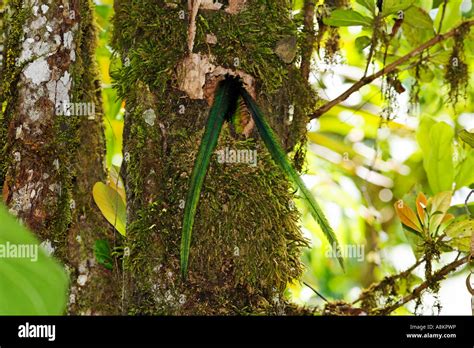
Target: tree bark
{"x":50,"y":160}
{"x":246,"y":240}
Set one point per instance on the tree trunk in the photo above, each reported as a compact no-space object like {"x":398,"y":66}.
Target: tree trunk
{"x":246,"y":240}
{"x":51,"y":158}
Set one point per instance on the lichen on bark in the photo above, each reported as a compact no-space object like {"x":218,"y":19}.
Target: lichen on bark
{"x":50,"y":160}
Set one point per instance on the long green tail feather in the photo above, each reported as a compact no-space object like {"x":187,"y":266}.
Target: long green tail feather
{"x":279,"y":156}
{"x":224,"y":101}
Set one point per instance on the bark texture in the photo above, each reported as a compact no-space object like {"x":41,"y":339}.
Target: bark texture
{"x":246,"y":240}
{"x":50,"y":161}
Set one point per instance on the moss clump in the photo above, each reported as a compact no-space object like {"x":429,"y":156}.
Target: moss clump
{"x":457,"y":70}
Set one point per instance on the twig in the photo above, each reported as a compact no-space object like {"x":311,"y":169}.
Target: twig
{"x":309,"y":30}
{"x":373,"y":44}
{"x":403,"y":274}
{"x":193,"y":6}
{"x":466,"y":203}
{"x":315,"y":291}
{"x":443,"y":13}
{"x":388,"y":69}
{"x":437,"y":276}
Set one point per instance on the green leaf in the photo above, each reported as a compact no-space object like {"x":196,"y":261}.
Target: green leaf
{"x":298,"y":4}
{"x":426,"y":5}
{"x":280,"y":158}
{"x":368,"y":4}
{"x":465,"y":170}
{"x":28,"y":285}
{"x":102,"y":254}
{"x":416,"y":36}
{"x":460,"y":234}
{"x":452,"y":16}
{"x":418,"y":18}
{"x":347,"y":18}
{"x":111,"y":205}
{"x":423,"y":133}
{"x":393,"y":6}
{"x":362,"y":42}
{"x":467,"y":137}
{"x":224,"y":103}
{"x":426,"y":74}
{"x":438,"y":160}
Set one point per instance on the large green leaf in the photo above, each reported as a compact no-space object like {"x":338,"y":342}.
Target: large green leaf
{"x":224,"y":103}
{"x":28,"y":285}
{"x":368,"y":4}
{"x":438,"y":159}
{"x":418,"y":18}
{"x":423,"y":133}
{"x":460,"y":234}
{"x":280,"y":158}
{"x":426,"y":5}
{"x":465,"y":171}
{"x":347,"y":18}
{"x":393,"y":6}
{"x":452,"y":15}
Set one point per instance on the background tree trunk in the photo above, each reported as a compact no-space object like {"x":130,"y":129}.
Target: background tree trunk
{"x":246,"y":240}
{"x":51,"y":161}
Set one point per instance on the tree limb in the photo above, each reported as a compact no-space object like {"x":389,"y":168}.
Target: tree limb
{"x":380,"y":285}
{"x":389,"y":68}
{"x":437,"y":276}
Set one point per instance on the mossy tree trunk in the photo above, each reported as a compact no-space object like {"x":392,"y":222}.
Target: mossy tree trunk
{"x":246,"y":241}
{"x":49,"y":159}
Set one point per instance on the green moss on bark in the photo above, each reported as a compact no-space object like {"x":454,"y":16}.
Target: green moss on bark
{"x":14,"y":15}
{"x":246,"y":240}
{"x":62,"y":156}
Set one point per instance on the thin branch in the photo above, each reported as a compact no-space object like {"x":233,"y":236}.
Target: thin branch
{"x":437,"y":276}
{"x":389,"y":68}
{"x":380,"y":285}
{"x":443,"y":13}
{"x":316,"y":292}
{"x":466,"y":203}
{"x":309,"y":31}
{"x":373,"y":44}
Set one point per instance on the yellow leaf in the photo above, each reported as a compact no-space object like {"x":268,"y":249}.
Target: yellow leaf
{"x":407,"y":216}
{"x":439,"y":206}
{"x":111,"y":205}
{"x":447,"y":218}
{"x":116,"y":182}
